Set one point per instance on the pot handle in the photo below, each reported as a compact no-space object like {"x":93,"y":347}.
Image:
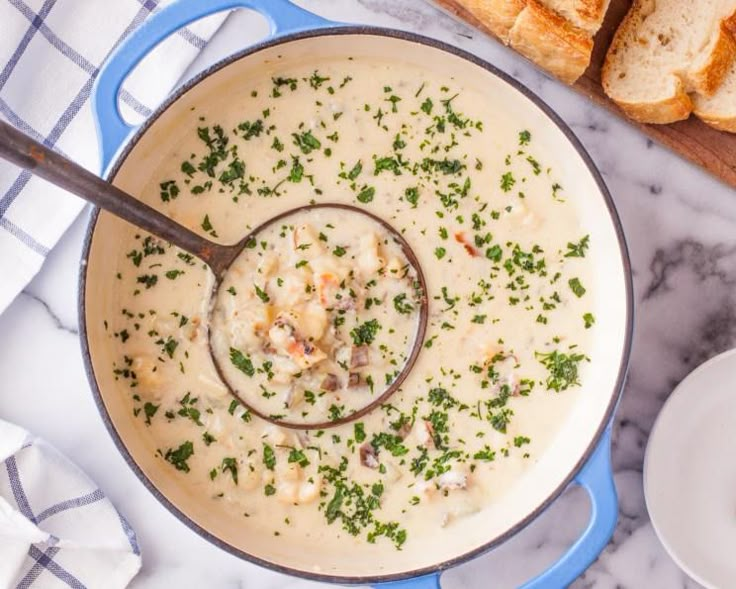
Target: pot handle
{"x":282,"y":16}
{"x":596,"y":477}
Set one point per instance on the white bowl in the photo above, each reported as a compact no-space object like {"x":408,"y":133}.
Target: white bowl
{"x":690,"y":473}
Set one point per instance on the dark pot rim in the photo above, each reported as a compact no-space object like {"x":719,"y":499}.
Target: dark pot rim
{"x":615,"y":220}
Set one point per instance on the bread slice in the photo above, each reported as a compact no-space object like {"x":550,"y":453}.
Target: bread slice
{"x":555,"y":34}
{"x":665,"y":51}
{"x":584,"y":14}
{"x":498,"y":16}
{"x":552,"y":41}
{"x":719,"y":110}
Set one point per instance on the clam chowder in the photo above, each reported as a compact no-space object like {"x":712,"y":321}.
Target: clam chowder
{"x":319,"y":314}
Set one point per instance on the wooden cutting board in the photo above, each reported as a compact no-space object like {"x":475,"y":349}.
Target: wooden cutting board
{"x":714,"y":151}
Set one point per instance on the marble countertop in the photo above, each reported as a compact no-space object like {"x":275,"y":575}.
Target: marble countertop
{"x":681,"y":229}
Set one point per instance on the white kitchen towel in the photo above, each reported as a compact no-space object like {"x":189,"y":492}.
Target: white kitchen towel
{"x":57,"y":528}
{"x":50,"y":54}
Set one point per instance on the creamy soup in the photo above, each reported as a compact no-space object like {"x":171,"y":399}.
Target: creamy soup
{"x":508,"y":285}
{"x":317,"y":317}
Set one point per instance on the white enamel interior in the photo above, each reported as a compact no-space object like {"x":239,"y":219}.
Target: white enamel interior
{"x":600,"y":377}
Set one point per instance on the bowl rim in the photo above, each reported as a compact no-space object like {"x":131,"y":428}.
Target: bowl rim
{"x":132,"y":140}
{"x":658,"y":438}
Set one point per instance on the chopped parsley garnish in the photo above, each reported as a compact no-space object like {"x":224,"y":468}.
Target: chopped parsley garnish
{"x":299,"y":457}
{"x":450,"y":301}
{"x":261,"y":293}
{"x":335,"y":412}
{"x":188,"y":168}
{"x":563,"y":369}
{"x":306,"y":142}
{"x":445,"y":166}
{"x":401,"y":305}
{"x":494,"y":253}
{"x":269,"y":457}
{"x":536,"y":168}
{"x":507,"y":181}
{"x":315,"y":80}
{"x":393,"y":99}
{"x":387,"y":164}
{"x":520,"y":441}
{"x":439,"y":397}
{"x":188,"y":259}
{"x":486,"y":454}
{"x":149,"y":410}
{"x":149,"y":280}
{"x":180,"y":456}
{"x":230,"y":465}
{"x":411,"y":195}
{"x":251,"y":129}
{"x":207,"y":225}
{"x":280,"y":82}
{"x":390,"y":442}
{"x":169,"y":190}
{"x":364,"y":334}
{"x":242,"y":363}
{"x":355,"y":171}
{"x":501,"y":419}
{"x":297,"y":170}
{"x":589,"y":320}
{"x":577,"y":250}
{"x":277,"y":145}
{"x":169,"y":346}
{"x":577,"y":288}
{"x":366,"y":195}
{"x":189,"y":410}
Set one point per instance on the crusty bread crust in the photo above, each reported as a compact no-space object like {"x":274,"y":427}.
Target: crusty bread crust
{"x":536,"y":31}
{"x":709,"y":77}
{"x":675,"y":108}
{"x":584,"y":14}
{"x":498,"y":15}
{"x":552,"y":41}
{"x":592,"y":11}
{"x":727,"y":124}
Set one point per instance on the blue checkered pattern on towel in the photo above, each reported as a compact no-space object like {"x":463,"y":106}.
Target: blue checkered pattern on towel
{"x":58,"y":529}
{"x":50,"y":54}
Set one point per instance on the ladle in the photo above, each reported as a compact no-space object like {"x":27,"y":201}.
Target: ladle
{"x":25,"y":152}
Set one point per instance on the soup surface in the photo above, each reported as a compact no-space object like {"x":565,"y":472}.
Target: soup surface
{"x":508,"y":287}
{"x":298,"y":325}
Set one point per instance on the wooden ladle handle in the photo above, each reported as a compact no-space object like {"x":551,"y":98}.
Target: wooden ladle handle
{"x":21,"y":150}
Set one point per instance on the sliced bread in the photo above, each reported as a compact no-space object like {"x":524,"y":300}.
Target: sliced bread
{"x":663,"y":52}
{"x":549,"y":39}
{"x":555,"y":34}
{"x":498,"y":16}
{"x":584,"y":14}
{"x":719,"y":110}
